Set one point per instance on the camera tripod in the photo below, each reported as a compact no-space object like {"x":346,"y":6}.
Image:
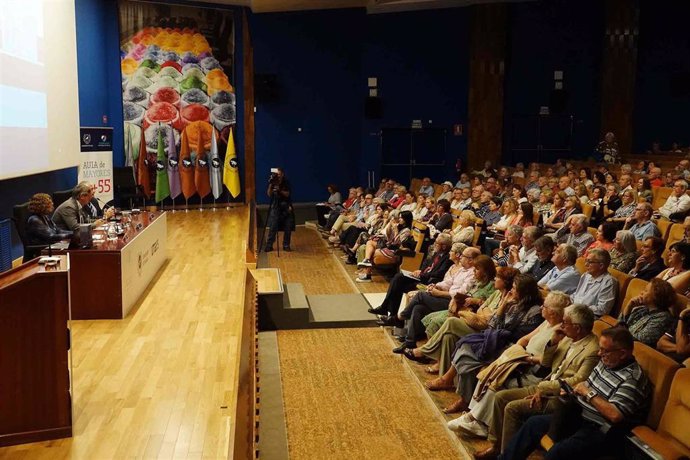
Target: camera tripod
{"x":268,"y":219}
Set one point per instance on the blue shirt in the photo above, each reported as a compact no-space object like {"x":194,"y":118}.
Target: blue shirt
{"x":599,"y":294}
{"x":565,"y":280}
{"x":645,"y":230}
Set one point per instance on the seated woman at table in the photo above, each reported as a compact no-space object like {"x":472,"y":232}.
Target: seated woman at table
{"x":40,"y":229}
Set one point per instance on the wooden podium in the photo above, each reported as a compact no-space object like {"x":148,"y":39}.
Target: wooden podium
{"x":35,"y":400}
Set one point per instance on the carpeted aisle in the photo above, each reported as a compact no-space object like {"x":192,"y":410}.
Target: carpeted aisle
{"x":347,"y":396}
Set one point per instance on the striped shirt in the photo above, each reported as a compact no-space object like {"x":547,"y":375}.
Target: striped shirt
{"x":627,"y":388}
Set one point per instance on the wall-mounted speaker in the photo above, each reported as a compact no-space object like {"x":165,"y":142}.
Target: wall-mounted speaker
{"x":373,"y":108}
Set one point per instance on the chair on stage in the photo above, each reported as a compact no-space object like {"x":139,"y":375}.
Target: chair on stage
{"x":126,"y":190}
{"x":60,"y":197}
{"x":20,"y":214}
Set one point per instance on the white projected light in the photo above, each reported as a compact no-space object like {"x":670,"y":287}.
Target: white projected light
{"x":39,"y":105}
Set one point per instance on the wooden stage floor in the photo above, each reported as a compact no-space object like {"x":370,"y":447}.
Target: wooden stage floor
{"x":162,"y":383}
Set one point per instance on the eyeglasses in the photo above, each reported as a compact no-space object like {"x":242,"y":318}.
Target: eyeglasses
{"x":608,"y":352}
{"x":590,"y":262}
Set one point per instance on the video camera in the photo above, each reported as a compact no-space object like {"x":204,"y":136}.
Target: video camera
{"x":274,"y":178}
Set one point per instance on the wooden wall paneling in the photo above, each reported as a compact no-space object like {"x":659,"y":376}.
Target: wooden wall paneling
{"x":249,"y":127}
{"x":488,"y":41}
{"x":618,"y":70}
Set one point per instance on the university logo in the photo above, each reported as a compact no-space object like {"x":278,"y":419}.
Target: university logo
{"x":86,"y":138}
{"x":159,"y":165}
{"x":233,"y":163}
{"x":215,"y":163}
{"x":186,"y":163}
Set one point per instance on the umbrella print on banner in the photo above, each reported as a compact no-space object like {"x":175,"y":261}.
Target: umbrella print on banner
{"x":173,"y":166}
{"x":186,"y":167}
{"x":162,"y":186}
{"x":143,"y":168}
{"x":216,"y":168}
{"x":231,"y":174}
{"x":201,"y":176}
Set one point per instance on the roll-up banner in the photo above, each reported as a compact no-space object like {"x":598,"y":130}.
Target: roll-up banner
{"x":96,"y":160}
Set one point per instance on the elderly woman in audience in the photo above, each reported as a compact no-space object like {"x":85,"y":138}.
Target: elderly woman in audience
{"x":678,"y":271}
{"x":624,"y":251}
{"x":494,"y":213}
{"x":399,"y":197}
{"x":462,"y":320}
{"x":677,"y":345}
{"x":441,"y":220}
{"x":626,"y":209}
{"x":420,"y":210}
{"x":544,"y":204}
{"x":517,"y":316}
{"x":480,"y":290}
{"x":447,"y":193}
{"x":461,"y":198}
{"x":40,"y":228}
{"x":648,"y":316}
{"x":458,"y":280}
{"x":526,"y":356}
{"x":383,"y":251}
{"x":430,"y":204}
{"x":606,"y":234}
{"x":650,"y":262}
{"x":410,"y":203}
{"x":510,"y":217}
{"x":644,"y":189}
{"x":464,"y":232}
{"x":582,"y":193}
{"x":557,"y":214}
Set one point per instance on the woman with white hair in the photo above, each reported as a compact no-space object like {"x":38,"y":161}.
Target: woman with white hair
{"x":447,"y":193}
{"x":464,"y":232}
{"x":624,"y":251}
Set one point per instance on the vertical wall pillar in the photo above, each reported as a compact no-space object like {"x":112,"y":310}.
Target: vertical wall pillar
{"x":249,"y":146}
{"x":488,"y":39}
{"x":618,"y":70}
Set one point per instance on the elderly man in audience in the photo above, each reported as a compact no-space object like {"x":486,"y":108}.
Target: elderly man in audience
{"x":463,"y":182}
{"x":678,"y":204}
{"x":433,"y":269}
{"x":517,"y":367}
{"x":544,"y":247}
{"x":597,"y":288}
{"x":643,"y":226}
{"x":458,"y":198}
{"x":575,"y":233}
{"x":389,"y":191}
{"x":513,"y":237}
{"x":625,"y":182}
{"x":650,"y":263}
{"x":533,"y":181}
{"x":655,"y":178}
{"x":569,"y":355}
{"x":613,"y":399}
{"x":457,"y":280}
{"x":563,"y":276}
{"x":564,"y":185}
{"x":426,"y":187}
{"x":519,"y":170}
{"x":524,"y":258}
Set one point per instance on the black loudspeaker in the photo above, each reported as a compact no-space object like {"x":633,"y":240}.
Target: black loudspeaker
{"x":266,"y":88}
{"x":558,"y":101}
{"x":373,"y":108}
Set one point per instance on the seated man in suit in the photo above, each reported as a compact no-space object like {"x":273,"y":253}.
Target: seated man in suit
{"x":78,"y":209}
{"x":433,"y":270}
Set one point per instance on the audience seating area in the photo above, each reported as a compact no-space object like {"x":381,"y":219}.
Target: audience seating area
{"x":669,"y":404}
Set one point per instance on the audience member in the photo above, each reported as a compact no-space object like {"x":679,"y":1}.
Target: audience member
{"x":426,"y":188}
{"x":613,"y":399}
{"x":678,"y":204}
{"x":648,"y":316}
{"x":524,"y":258}
{"x":677,"y":346}
{"x":464,"y":231}
{"x":544,"y":247}
{"x":563,"y":276}
{"x":597,"y":288}
{"x":447,"y":192}
{"x":512,"y":242}
{"x":644,"y":189}
{"x":575,"y":233}
{"x":678,"y":271}
{"x":570,"y":356}
{"x":650,"y":263}
{"x":606,"y":234}
{"x":643,"y":226}
{"x":385,"y":251}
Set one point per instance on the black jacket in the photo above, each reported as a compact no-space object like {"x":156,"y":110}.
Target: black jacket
{"x":433,"y":273}
{"x":649,"y":271}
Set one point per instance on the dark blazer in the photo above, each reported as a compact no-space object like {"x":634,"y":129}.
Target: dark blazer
{"x":649,"y":271}
{"x":437,"y":271}
{"x":42,"y":230}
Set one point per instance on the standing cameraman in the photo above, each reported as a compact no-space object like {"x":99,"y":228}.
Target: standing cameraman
{"x":280,"y":213}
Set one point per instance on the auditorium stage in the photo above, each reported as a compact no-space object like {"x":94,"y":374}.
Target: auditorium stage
{"x":163,"y":382}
